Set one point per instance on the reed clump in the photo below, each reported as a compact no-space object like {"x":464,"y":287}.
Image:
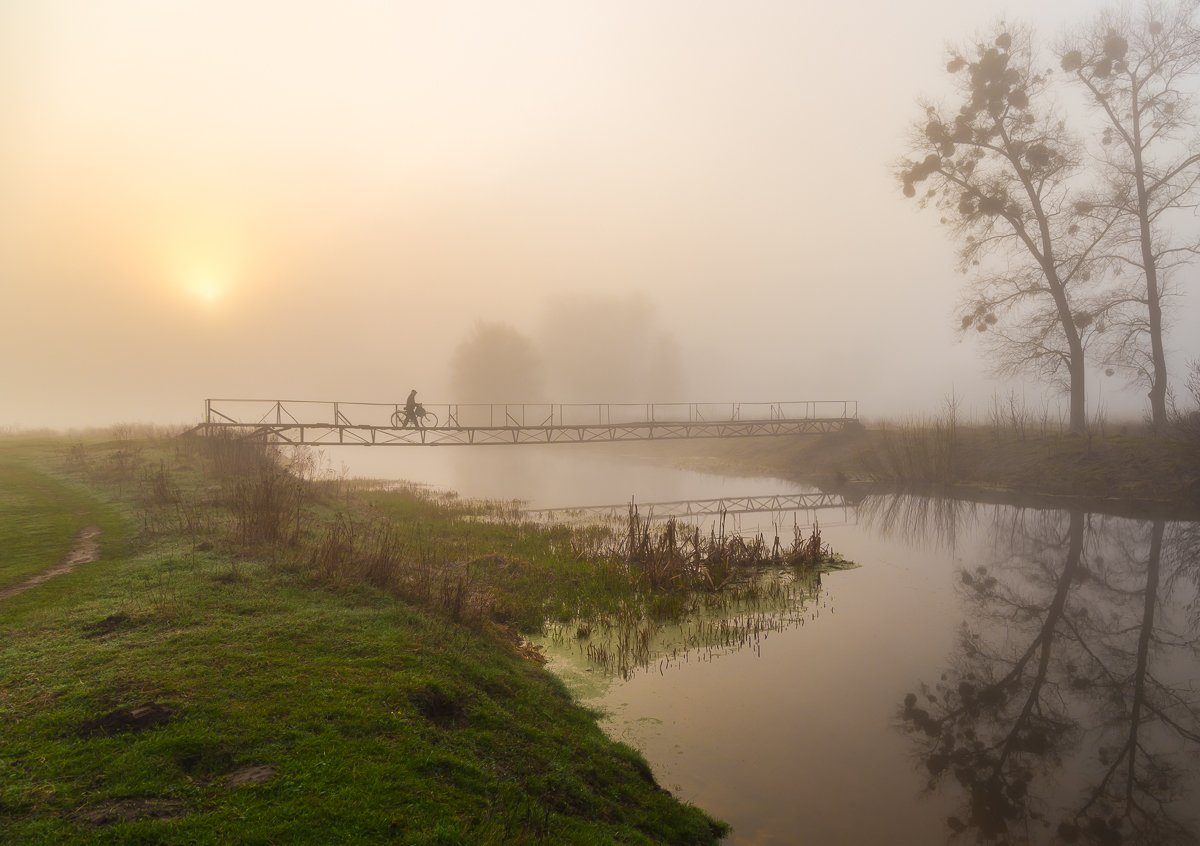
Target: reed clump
{"x":674,"y":556}
{"x":700,"y":593}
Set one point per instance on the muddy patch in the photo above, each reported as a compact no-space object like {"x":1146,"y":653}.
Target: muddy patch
{"x":128,"y":810}
{"x":85,"y":550}
{"x":251,"y":775}
{"x":139,"y":718}
{"x":443,"y":709}
{"x":110,"y":624}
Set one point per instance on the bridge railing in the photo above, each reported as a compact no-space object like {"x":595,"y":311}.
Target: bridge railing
{"x":250,"y":412}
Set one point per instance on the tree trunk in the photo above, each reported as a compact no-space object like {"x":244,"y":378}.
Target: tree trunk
{"x":1158,"y":384}
{"x":1075,"y":361}
{"x":1078,"y":396}
{"x":1158,"y":358}
{"x":1158,"y":378}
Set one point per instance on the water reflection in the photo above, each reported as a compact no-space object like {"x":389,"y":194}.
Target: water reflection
{"x":918,"y":520}
{"x":807,"y":504}
{"x":551,"y":475}
{"x":693,"y":627}
{"x":1069,"y":709}
{"x":1183,"y":555}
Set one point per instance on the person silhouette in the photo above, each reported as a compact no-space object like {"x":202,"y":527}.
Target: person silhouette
{"x":410,"y":410}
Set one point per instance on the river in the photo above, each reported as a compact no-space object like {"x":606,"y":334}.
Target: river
{"x":1002,"y":672}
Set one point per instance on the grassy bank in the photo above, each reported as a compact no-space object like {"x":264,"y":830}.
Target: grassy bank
{"x":265,"y":655}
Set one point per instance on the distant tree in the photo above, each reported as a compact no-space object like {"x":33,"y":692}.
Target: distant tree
{"x":496,"y":364}
{"x":605,"y":348}
{"x":1135,"y":71}
{"x":1001,"y":169}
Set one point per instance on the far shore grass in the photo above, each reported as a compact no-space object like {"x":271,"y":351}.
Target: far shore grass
{"x":294,"y":699}
{"x":1125,"y":468}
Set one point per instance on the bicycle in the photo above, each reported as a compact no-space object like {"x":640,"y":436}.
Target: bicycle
{"x":424,"y":419}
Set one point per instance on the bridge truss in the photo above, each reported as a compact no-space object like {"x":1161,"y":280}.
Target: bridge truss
{"x":312,"y":423}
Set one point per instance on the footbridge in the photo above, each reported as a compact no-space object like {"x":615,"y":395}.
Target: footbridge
{"x":318,"y":423}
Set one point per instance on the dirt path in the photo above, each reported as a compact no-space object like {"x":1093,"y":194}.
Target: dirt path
{"x":85,"y":550}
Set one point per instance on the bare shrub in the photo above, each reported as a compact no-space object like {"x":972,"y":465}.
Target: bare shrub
{"x":333,"y":552}
{"x":123,"y":460}
{"x":158,"y":488}
{"x":923,"y":450}
{"x":1185,"y":419}
{"x":375,"y":552}
{"x":195,"y":518}
{"x":231,"y":457}
{"x":266,"y":505}
{"x":79,"y":459}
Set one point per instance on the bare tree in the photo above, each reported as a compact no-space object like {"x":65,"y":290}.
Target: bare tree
{"x":1001,"y":170}
{"x":1135,"y":71}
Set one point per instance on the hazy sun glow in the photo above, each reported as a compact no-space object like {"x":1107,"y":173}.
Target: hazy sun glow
{"x":386,"y":175}
{"x":207,"y":287}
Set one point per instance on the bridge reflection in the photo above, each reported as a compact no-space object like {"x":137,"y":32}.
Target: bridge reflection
{"x":697,"y":507}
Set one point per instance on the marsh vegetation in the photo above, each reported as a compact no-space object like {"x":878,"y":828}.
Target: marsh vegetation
{"x":707,"y":592}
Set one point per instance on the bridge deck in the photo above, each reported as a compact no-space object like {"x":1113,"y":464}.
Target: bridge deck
{"x":303,"y":422}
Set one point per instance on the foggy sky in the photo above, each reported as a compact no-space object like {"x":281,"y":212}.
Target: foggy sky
{"x":319,"y":201}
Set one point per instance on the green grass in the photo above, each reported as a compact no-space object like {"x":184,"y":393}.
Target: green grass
{"x":40,"y":515}
{"x":381,"y":722}
{"x":523,"y":568}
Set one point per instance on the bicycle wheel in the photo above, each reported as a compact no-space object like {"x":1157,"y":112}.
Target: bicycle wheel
{"x":429,"y":420}
{"x":397,"y":418}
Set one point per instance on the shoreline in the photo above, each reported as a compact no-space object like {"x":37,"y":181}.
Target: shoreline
{"x":1140,"y":509}
{"x":1129,"y":475}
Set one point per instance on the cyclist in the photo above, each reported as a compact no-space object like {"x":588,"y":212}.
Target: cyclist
{"x":410,"y":410}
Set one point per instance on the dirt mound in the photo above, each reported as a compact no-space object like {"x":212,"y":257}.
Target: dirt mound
{"x":443,"y":709}
{"x":106,"y":626}
{"x":127,"y":719}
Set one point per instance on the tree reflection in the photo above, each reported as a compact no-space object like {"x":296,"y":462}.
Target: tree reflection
{"x":1183,"y":553}
{"x":1146,"y":713}
{"x":1069,"y":711}
{"x":917,"y":520}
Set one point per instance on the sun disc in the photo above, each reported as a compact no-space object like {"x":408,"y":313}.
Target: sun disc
{"x":207,"y":288}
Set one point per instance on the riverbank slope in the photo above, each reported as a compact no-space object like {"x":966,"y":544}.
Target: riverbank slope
{"x":212,"y":678}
